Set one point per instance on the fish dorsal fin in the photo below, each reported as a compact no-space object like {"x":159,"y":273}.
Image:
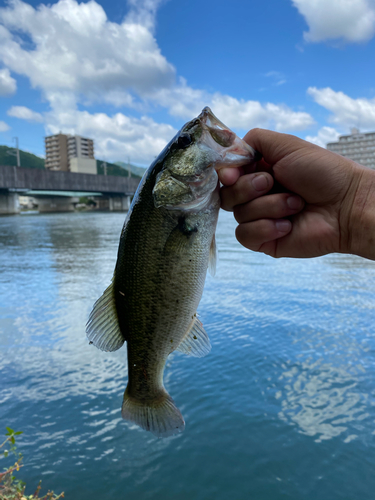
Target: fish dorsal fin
{"x":196,"y":342}
{"x":103,"y":329}
{"x":213,"y":257}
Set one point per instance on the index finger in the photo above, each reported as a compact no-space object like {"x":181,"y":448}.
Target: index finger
{"x":229,"y":176}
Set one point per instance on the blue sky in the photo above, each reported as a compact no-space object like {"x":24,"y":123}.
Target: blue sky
{"x":130,"y":74}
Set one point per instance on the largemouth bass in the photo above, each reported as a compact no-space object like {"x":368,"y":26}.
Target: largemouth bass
{"x":166,"y":245}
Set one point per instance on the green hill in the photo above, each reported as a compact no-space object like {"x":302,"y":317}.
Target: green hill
{"x":28,"y":160}
{"x":115,"y":169}
{"x":138,"y":171}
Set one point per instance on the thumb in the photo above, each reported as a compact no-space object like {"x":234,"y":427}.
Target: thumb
{"x":272,"y":145}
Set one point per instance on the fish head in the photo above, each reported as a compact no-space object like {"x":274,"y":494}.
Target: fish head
{"x":189,"y":173}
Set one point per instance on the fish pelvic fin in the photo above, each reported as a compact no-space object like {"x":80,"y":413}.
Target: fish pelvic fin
{"x":196,"y":342}
{"x":102,"y":328}
{"x":161,"y":417}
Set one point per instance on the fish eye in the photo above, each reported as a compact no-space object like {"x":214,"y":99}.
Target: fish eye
{"x":184,"y":141}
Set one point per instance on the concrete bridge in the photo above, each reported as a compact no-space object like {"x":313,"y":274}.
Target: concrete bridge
{"x":113,"y":192}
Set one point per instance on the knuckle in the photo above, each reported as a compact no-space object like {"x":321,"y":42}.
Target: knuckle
{"x":243,"y":213}
{"x":225,"y":199}
{"x":237,"y":212}
{"x":253,"y":235}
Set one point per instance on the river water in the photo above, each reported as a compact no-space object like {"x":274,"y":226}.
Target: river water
{"x":282,"y":408}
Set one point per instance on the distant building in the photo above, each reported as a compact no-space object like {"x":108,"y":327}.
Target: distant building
{"x":56,"y":152}
{"x":71,"y":153}
{"x":356,"y":146}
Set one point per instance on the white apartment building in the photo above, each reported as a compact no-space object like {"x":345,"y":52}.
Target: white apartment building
{"x":356,"y":146}
{"x":71,"y":153}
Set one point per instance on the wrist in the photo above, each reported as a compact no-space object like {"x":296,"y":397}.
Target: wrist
{"x":361,"y":232}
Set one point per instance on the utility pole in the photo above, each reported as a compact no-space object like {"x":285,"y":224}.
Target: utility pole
{"x":104,"y":165}
{"x":15,"y":152}
{"x":129,"y":169}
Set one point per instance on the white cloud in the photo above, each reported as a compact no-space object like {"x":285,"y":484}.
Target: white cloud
{"x":73,"y":54}
{"x":25,"y":114}
{"x":238,"y":113}
{"x":8,"y":84}
{"x":3,"y":126}
{"x":277,"y":77}
{"x":76,"y":48}
{"x":186,"y":102}
{"x":116,"y":137}
{"x":181,"y":100}
{"x":78,"y":52}
{"x":324,"y":136}
{"x":119,"y":136}
{"x":350,"y":20}
{"x":143,"y":12}
{"x":347,"y":112}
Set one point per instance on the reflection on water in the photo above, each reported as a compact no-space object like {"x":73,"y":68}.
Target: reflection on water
{"x":324,"y":385}
{"x":283,"y":407}
{"x":321,"y":398}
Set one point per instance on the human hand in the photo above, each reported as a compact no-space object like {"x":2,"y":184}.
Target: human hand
{"x":303,"y":201}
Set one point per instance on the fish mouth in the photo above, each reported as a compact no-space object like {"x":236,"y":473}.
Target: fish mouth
{"x":233,"y":151}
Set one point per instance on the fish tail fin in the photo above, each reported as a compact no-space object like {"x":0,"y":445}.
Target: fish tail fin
{"x":161,"y":417}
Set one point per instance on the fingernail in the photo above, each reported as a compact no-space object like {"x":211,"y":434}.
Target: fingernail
{"x":260,"y":182}
{"x":283,"y":225}
{"x":294,"y":202}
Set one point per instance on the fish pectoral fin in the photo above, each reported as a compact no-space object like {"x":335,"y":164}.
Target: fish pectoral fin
{"x":196,"y":342}
{"x":181,"y":238}
{"x":102,"y":328}
{"x":212,"y":257}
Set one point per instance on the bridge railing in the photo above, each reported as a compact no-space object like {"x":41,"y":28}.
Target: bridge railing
{"x":45,"y":180}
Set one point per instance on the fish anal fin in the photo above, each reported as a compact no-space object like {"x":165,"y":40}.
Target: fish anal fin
{"x":103,"y":329}
{"x":195,"y":342}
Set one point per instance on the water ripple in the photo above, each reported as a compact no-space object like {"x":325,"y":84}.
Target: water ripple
{"x":283,"y":407}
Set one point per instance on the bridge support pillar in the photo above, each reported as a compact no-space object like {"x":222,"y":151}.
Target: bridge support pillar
{"x":9,"y":203}
{"x":56,"y":203}
{"x":119,"y":203}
